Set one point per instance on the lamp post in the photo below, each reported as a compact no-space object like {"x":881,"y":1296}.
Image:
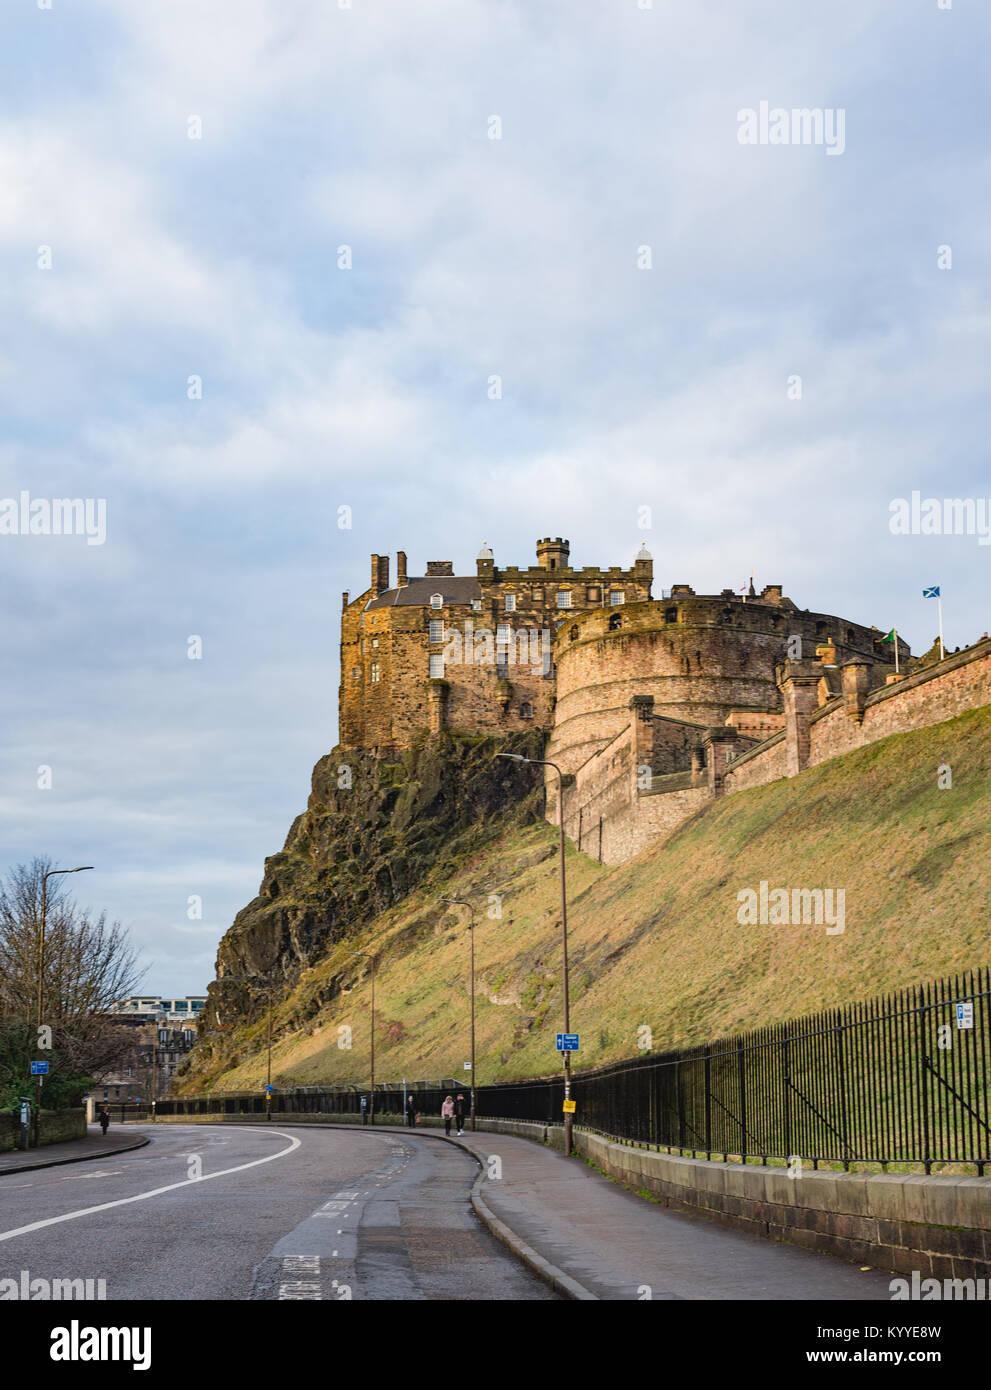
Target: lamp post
{"x":542,"y":762}
{"x":41,"y":977}
{"x":471,"y":931}
{"x":269,"y":986}
{"x":371,"y":1107}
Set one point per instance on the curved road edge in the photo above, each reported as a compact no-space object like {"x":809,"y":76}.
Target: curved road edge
{"x":77,"y":1158}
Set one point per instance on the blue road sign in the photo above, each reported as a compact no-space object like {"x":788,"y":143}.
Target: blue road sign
{"x":567,"y":1042}
{"x":39,"y":1068}
{"x":269,"y":1088}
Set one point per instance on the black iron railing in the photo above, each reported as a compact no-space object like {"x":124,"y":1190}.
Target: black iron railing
{"x":898,"y":1079}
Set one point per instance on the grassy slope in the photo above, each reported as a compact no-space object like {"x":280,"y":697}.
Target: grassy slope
{"x":657,"y":941}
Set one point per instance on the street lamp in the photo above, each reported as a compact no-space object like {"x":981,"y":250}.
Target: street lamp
{"x":41,"y":977}
{"x":471,"y":930}
{"x":541,"y":762}
{"x":368,"y":956}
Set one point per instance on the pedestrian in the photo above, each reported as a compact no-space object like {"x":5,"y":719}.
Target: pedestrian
{"x":459,"y":1112}
{"x":411,"y":1110}
{"x":447,"y":1111}
{"x":104,"y":1118}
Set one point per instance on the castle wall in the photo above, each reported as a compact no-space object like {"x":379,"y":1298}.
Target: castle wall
{"x":605,"y":784}
{"x":962,"y":682}
{"x":704,"y":659}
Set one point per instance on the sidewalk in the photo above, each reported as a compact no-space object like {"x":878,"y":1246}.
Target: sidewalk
{"x":95,"y":1145}
{"x":610,"y":1244}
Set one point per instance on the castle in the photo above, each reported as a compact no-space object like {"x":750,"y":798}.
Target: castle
{"x":651,"y":706}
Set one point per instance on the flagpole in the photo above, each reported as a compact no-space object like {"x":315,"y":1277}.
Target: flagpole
{"x":895,"y":631}
{"x":939,"y":609}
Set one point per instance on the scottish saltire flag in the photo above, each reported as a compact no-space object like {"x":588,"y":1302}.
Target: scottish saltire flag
{"x":931,"y":593}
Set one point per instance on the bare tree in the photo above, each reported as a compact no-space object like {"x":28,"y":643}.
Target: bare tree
{"x":89,"y":965}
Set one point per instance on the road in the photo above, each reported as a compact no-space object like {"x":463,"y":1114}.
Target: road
{"x":281,"y":1212}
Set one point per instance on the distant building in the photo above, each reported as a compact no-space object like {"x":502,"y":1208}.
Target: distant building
{"x":146,"y":1070}
{"x":149,"y":1008}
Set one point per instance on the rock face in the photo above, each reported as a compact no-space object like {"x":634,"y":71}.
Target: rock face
{"x":371,"y":832}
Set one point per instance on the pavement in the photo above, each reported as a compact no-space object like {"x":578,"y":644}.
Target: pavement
{"x":590,"y":1238}
{"x":95,"y":1145}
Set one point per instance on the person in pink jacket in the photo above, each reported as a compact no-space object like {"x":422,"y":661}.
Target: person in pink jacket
{"x":447,"y":1112}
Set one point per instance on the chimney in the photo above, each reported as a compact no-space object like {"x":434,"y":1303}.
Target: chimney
{"x":344,"y":599}
{"x":400,"y":569}
{"x":380,"y":573}
{"x":436,"y":568}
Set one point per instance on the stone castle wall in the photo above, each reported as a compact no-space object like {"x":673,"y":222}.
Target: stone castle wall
{"x":606,"y":784}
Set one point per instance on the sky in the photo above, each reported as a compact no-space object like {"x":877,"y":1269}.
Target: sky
{"x":473,"y":270}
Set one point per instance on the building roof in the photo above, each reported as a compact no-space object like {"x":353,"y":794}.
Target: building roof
{"x":416,"y":592}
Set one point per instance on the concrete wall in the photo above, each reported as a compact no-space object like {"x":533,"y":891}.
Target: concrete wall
{"x":940,"y":1226}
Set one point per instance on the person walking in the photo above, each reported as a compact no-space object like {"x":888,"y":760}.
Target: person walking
{"x":447,"y":1113}
{"x":459,"y":1112}
{"x":104,"y":1118}
{"x":411,"y":1110}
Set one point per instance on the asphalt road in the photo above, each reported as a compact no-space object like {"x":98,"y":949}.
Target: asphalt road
{"x":222,"y":1212}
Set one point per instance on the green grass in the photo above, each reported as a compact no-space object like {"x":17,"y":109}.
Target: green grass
{"x":657,"y":941}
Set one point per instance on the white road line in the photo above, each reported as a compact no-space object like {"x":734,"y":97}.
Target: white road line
{"x":157,"y":1192}
{"x":78,"y":1177}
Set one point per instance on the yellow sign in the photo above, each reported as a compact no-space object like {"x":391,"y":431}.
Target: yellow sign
{"x":569,"y":1107}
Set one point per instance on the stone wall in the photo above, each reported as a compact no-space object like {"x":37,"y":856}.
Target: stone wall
{"x":606,"y":786}
{"x":55,"y":1127}
{"x":940,"y":1226}
{"x":962,"y":682}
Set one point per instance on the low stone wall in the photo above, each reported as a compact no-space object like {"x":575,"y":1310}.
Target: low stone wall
{"x":940,"y":1226}
{"x":55,"y":1127}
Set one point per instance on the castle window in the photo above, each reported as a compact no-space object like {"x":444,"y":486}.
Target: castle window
{"x":375,"y":672}
{"x":820,"y":629}
{"x":670,"y":615}
{"x":510,"y":603}
{"x":436,"y":600}
{"x":538,"y":595}
{"x":851,"y":636}
{"x":573,"y":633}
{"x":726,"y":617}
{"x":592,"y":595}
{"x":564,"y":598}
{"x":436,"y":667}
{"x":617,"y":596}
{"x":503,"y":634}
{"x":375,"y":641}
{"x":615,"y":622}
{"x":476,"y":605}
{"x":356,"y":673}
{"x":436,"y":629}
{"x":526,"y":711}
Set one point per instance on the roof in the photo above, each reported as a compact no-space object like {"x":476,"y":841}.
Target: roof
{"x":416,"y":592}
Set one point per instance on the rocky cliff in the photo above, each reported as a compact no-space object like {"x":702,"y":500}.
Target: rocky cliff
{"x":371,"y":832}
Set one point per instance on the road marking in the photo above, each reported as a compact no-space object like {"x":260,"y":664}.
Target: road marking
{"x":157,"y":1192}
{"x":110,"y":1173}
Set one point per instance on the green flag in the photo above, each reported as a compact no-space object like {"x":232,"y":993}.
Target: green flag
{"x":890,"y":637}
